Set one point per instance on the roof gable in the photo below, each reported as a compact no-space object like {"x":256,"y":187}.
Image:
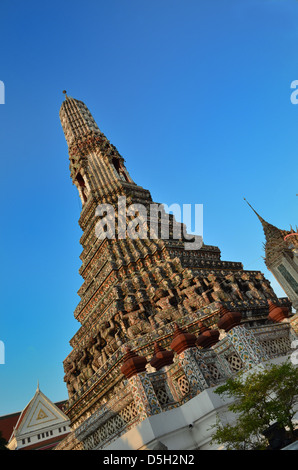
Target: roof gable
{"x":38,"y":414}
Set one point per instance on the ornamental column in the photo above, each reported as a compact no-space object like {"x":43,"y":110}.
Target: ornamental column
{"x":161,"y":361}
{"x":134,"y":369}
{"x":243,"y":340}
{"x":281,"y":315}
{"x":190,"y":360}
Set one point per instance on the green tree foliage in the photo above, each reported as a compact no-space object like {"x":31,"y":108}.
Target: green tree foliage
{"x":260,"y":398}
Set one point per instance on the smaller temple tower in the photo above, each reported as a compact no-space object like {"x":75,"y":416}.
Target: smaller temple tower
{"x":281,"y":257}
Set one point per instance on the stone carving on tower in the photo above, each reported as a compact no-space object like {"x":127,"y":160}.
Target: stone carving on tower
{"x":138,"y":292}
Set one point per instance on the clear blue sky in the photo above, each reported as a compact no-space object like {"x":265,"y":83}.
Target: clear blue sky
{"x":195,"y":94}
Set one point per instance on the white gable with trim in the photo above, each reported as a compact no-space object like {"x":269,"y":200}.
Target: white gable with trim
{"x":40,"y":420}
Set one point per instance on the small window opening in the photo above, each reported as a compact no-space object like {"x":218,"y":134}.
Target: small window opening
{"x":118,"y":167}
{"x":82,"y":185}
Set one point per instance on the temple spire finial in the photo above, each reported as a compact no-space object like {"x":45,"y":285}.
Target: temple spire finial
{"x":274,"y":236}
{"x":258,"y":215}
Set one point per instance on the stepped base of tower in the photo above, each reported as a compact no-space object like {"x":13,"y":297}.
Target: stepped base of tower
{"x":174,"y":407}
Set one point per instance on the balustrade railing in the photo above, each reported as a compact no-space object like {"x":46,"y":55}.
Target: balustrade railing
{"x":119,"y":414}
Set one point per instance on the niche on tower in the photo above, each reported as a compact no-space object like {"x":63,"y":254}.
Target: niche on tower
{"x":82,"y":187}
{"x":120,"y":171}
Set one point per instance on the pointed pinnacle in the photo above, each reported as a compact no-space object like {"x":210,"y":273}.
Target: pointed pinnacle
{"x":258,"y":215}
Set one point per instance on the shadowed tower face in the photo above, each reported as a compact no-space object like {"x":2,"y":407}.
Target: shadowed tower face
{"x":134,"y":286}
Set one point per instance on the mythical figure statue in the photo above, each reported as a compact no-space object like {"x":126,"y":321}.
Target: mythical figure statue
{"x":133,"y":320}
{"x":251,"y":291}
{"x":96,"y":349}
{"x":72,"y":375}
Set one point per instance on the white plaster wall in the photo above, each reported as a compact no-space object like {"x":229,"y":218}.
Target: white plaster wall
{"x":185,"y":428}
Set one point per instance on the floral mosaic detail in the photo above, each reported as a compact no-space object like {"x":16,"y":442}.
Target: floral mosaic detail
{"x":144,"y":395}
{"x":247,"y":346}
{"x":196,"y":372}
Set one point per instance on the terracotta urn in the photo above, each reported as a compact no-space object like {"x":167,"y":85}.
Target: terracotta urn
{"x":208,"y":337}
{"x":133,"y":364}
{"x":182,"y":340}
{"x":277,"y":314}
{"x":228,"y":319}
{"x":161,"y":357}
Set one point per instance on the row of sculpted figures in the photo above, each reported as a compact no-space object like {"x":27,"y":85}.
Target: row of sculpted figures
{"x":148,"y":300}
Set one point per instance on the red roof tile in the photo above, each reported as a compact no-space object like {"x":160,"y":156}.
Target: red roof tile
{"x":7,"y":423}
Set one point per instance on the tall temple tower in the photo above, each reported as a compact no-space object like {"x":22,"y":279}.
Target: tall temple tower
{"x":158,"y":323}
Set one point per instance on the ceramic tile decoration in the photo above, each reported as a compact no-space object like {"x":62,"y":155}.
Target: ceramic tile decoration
{"x":136,"y":289}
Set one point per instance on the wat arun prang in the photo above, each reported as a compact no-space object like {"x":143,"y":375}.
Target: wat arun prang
{"x":145,"y":301}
